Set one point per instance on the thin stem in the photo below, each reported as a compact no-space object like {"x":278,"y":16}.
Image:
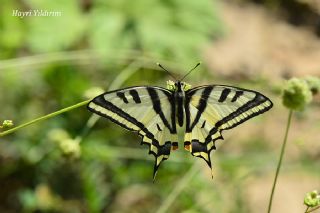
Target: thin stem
{"x":280,"y":160}
{"x":178,"y":189}
{"x":44,"y":117}
{"x":86,"y":56}
{"x":306,"y":209}
{"x":311,"y":210}
{"x":125,"y":74}
{"x":82,"y":56}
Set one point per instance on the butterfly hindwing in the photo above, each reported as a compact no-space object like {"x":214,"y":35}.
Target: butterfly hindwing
{"x":211,"y":109}
{"x":150,"y":111}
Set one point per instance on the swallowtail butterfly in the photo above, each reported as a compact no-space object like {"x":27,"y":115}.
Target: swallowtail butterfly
{"x":155,"y":113}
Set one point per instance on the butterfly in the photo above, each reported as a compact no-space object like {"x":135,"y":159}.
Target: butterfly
{"x":155,"y":113}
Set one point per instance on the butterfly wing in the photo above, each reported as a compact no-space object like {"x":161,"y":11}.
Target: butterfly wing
{"x":150,"y":111}
{"x":211,"y":109}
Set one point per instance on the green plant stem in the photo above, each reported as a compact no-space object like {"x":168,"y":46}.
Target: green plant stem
{"x":280,"y":160}
{"x":178,"y":189}
{"x":44,"y":117}
{"x":311,"y":210}
{"x":306,"y":209}
{"x":86,"y":56}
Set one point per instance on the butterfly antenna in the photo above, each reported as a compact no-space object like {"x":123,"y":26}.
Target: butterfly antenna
{"x":166,"y":71}
{"x":191,"y":71}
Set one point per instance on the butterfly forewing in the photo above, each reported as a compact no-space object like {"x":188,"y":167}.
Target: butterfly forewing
{"x":211,"y":109}
{"x":150,"y":111}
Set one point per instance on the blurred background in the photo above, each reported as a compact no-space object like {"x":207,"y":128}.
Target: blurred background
{"x":73,"y":50}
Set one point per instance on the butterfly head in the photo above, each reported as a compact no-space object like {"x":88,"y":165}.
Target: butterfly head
{"x":178,"y":86}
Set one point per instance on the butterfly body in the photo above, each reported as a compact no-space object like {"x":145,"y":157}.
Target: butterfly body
{"x":155,"y":113}
{"x":179,"y":97}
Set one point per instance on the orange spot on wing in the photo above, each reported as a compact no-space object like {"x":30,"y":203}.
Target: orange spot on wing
{"x":174,"y":148}
{"x":187,"y":147}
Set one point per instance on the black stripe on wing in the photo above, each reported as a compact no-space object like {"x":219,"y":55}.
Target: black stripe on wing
{"x":256,"y":101}
{"x":224,"y":94}
{"x":122,"y":97}
{"x":201,"y":107}
{"x":135,"y":96}
{"x":157,"y":108}
{"x":237,"y":95}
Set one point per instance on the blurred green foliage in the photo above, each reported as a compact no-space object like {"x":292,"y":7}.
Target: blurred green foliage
{"x":169,"y":29}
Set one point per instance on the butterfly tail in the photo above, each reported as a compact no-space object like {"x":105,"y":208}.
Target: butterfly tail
{"x":161,"y":154}
{"x":200,"y":149}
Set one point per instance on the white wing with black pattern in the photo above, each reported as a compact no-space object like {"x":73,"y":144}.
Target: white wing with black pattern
{"x":150,"y":111}
{"x":211,"y":109}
